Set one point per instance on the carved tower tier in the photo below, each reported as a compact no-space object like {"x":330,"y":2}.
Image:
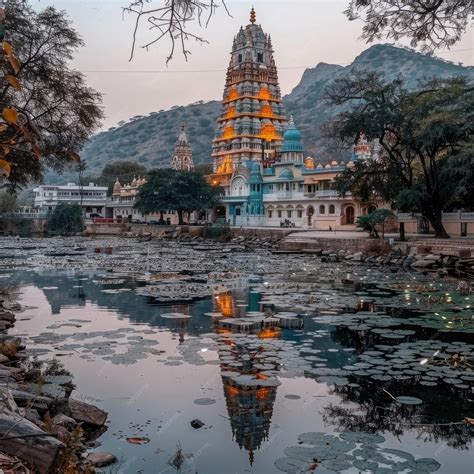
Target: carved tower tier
{"x":253,"y":120}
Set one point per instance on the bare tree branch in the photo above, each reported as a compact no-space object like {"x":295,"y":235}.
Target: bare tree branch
{"x":170,"y":19}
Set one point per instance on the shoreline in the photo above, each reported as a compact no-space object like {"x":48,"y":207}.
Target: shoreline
{"x":42,"y":428}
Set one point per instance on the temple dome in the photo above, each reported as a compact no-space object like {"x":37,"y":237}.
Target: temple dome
{"x":117,"y":187}
{"x":286,"y":175}
{"x":292,"y":138}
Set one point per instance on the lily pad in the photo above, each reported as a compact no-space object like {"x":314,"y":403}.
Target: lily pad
{"x":406,"y":400}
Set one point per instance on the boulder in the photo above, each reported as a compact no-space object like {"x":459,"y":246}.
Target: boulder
{"x":86,"y":413}
{"x":23,"y":439}
{"x":101,"y":459}
{"x":423,"y":263}
{"x":66,"y":421}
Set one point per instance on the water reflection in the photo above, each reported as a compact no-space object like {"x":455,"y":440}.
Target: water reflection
{"x":253,"y":364}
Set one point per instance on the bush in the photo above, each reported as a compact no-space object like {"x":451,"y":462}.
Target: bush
{"x":221,"y":232}
{"x":66,"y":220}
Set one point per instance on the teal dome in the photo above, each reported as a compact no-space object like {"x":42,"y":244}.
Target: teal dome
{"x":292,"y":139}
{"x":286,"y":175}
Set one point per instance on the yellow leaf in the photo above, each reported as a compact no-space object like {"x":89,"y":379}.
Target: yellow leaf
{"x":14,"y":62}
{"x":13,"y":81}
{"x":5,"y":166}
{"x":7,"y":47}
{"x":10,"y":115}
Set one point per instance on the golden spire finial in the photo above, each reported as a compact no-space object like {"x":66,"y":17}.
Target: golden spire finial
{"x":253,"y":16}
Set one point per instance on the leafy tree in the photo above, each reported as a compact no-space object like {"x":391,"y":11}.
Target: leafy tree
{"x":203,"y":168}
{"x":125,"y":171}
{"x":433,"y":23}
{"x":8,"y":202}
{"x":377,"y":217}
{"x":66,"y":219}
{"x":425,"y":138}
{"x":49,"y":103}
{"x":181,"y":191}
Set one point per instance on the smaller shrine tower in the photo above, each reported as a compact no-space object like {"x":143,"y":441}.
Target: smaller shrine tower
{"x":182,"y":156}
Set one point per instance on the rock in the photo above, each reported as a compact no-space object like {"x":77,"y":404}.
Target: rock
{"x":23,"y":439}
{"x":31,"y":400}
{"x":31,"y":415}
{"x":196,"y":424}
{"x":66,"y":421}
{"x":423,"y":264}
{"x":86,"y":413}
{"x":432,"y":257}
{"x":3,"y":359}
{"x":101,"y":459}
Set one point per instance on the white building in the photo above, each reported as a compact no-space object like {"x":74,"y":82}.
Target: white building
{"x":92,"y":198}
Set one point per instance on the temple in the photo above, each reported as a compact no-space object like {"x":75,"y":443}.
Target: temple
{"x":182,"y":158}
{"x":258,"y":154}
{"x":252,"y":122}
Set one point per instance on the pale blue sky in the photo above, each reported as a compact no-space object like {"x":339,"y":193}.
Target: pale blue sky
{"x":304,"y":33}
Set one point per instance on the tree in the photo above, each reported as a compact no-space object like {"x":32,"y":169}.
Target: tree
{"x":170,"y":20}
{"x":377,"y":217}
{"x":433,"y":23}
{"x":425,"y":138}
{"x":124,"y":171}
{"x":66,"y":219}
{"x":49,"y":100}
{"x":181,"y":191}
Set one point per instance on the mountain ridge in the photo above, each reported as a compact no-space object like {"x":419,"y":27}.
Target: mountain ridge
{"x":150,"y":139}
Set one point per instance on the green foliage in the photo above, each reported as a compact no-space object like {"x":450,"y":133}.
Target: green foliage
{"x":7,"y":202}
{"x":54,"y":98}
{"x":221,"y":232}
{"x":66,"y":220}
{"x":181,"y":191}
{"x":425,"y":138}
{"x":16,"y":225}
{"x":370,"y":221}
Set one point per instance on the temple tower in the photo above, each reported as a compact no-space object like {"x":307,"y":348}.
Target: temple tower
{"x":182,"y":156}
{"x":253,"y":119}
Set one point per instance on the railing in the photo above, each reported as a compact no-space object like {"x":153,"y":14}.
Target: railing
{"x":326,"y":193}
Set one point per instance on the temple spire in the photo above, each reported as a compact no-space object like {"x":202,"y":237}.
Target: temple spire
{"x":253,"y":16}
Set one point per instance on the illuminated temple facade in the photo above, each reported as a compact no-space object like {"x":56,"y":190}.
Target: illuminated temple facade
{"x":294,"y":190}
{"x":258,"y":154}
{"x":252,"y":122}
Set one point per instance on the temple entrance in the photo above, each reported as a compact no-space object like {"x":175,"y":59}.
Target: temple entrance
{"x":309,"y":214}
{"x":350,"y":214}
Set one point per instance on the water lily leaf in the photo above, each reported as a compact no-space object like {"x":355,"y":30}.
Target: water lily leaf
{"x":406,"y":400}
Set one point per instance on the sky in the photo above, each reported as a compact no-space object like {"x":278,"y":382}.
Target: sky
{"x":304,"y":33}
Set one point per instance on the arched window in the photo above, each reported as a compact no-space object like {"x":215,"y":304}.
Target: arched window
{"x":322,"y":209}
{"x":350,"y":215}
{"x":332,"y":209}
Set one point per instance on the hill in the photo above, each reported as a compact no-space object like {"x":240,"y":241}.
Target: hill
{"x":149,"y":140}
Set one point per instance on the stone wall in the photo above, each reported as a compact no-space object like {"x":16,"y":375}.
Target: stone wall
{"x":356,"y":245}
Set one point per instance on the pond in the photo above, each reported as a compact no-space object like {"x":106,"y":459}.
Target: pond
{"x":290,"y":364}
